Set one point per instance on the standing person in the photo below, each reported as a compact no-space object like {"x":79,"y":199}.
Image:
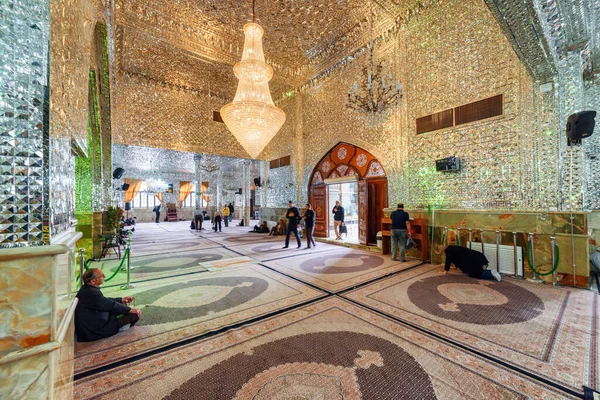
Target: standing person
{"x":198,"y":218}
{"x":217,"y":221}
{"x":338,"y":219}
{"x":309,"y":225}
{"x":230,"y":211}
{"x":98,"y":317}
{"x":293,"y":216}
{"x":595,"y":267}
{"x":469,"y":261}
{"x":226,"y":215}
{"x":400,"y":230}
{"x":157,"y":211}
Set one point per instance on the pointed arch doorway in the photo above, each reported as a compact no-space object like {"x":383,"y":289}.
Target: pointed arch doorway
{"x":344,"y":164}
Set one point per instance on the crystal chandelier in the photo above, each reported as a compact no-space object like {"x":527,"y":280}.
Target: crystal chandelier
{"x":252,"y":117}
{"x":377,"y":94}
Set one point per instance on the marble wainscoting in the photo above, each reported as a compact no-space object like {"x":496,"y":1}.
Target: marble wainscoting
{"x":543,"y":224}
{"x":36,"y":337}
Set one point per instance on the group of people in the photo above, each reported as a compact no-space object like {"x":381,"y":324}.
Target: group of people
{"x":224,"y":216}
{"x":294,"y":218}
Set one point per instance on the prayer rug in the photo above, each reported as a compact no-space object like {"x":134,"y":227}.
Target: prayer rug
{"x":339,"y":269}
{"x":331,"y":349}
{"x":550,"y":332}
{"x":179,"y":308}
{"x":161,"y":265}
{"x":265,"y":251}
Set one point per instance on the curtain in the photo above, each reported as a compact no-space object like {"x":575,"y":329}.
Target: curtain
{"x":185,"y":188}
{"x":159,"y":196}
{"x":134,"y":188}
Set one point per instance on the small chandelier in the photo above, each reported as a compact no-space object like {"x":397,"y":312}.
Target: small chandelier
{"x":252,"y":117}
{"x":377,"y":93}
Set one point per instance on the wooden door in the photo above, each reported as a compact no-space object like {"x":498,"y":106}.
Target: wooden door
{"x":363,"y":213}
{"x":318,"y":196}
{"x":377,"y":201}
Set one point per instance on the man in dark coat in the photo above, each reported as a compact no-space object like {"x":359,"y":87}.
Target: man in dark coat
{"x":338,"y":219}
{"x":309,"y":225}
{"x":231,"y":210}
{"x":469,"y":261}
{"x":157,"y":212}
{"x":293,"y":216}
{"x":98,"y":317}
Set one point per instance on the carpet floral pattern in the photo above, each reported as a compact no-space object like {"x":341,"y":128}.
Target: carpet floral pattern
{"x":548,"y":331}
{"x":270,"y":250}
{"x":330,"y":349}
{"x":181,"y":308}
{"x":339,"y":269}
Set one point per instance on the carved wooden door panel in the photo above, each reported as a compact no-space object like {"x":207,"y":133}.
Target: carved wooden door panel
{"x":363,"y":197}
{"x":318,"y":195}
{"x":377,"y":201}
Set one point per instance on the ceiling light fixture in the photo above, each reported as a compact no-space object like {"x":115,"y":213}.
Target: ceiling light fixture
{"x":252,"y":117}
{"x":377,"y":93}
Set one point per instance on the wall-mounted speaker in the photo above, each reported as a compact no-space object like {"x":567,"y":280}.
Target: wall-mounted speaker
{"x":127,"y":206}
{"x":239,"y":191}
{"x":125,"y":186}
{"x":257,"y":182}
{"x":118,"y":173}
{"x":580,"y":125}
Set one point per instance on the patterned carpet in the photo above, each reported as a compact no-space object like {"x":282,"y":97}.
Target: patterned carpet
{"x":548,"y":331}
{"x":179,"y":308}
{"x":341,"y":269}
{"x":163,"y":265}
{"x":331,"y":349}
{"x":269,"y":250}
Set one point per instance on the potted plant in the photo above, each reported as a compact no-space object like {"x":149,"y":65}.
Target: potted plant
{"x":113,"y":218}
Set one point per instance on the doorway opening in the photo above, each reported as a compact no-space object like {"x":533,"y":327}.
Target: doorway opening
{"x":347,"y":195}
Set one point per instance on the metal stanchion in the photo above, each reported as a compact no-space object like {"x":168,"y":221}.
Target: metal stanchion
{"x":498,"y":251}
{"x":128,"y":285}
{"x":535,"y":277}
{"x":515,"y":261}
{"x":482,"y":248}
{"x":470,"y":238}
{"x":458,"y":236}
{"x":553,"y":244}
{"x":81,"y":265}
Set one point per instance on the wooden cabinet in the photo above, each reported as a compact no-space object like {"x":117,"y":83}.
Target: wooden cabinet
{"x":419,"y":235}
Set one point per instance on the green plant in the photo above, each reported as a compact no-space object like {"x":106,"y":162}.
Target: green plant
{"x":113,"y":218}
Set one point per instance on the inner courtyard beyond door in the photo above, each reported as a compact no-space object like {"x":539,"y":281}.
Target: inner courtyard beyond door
{"x":347,"y":195}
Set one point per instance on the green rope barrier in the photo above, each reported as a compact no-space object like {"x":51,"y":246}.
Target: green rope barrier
{"x":126,"y":254}
{"x":86,"y":266}
{"x":555,"y":260}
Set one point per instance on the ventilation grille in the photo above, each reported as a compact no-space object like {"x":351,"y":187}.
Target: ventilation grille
{"x":280,"y":162}
{"x":507,"y":258}
{"x":476,"y":111}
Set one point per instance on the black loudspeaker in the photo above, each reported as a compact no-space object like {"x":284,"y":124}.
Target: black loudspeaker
{"x":239,"y":191}
{"x":118,"y":173}
{"x":257,"y":182}
{"x":580,"y":125}
{"x":125,"y":186}
{"x":127,"y":206}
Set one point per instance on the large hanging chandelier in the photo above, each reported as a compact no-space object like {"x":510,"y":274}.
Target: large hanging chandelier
{"x":378,"y":93}
{"x":252,"y":117}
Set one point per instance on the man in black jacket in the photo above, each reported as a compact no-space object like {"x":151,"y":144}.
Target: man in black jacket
{"x":309,"y":225}
{"x":469,"y":261}
{"x":338,"y":219}
{"x":293,"y":216}
{"x":98,"y":317}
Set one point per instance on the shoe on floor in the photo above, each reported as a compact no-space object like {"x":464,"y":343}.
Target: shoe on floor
{"x":124,"y":327}
{"x":299,"y":247}
{"x":496,"y":275}
{"x":285,"y":247}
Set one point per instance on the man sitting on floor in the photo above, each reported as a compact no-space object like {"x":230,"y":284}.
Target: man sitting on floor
{"x":469,"y":261}
{"x":262,"y":228}
{"x":98,"y":317}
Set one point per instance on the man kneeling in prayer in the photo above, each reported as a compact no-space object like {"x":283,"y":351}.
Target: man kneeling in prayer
{"x":469,"y":261}
{"x":98,"y":317}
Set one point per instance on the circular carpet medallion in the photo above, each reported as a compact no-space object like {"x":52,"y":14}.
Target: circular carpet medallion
{"x":324,"y":365}
{"x":348,"y":263}
{"x":249,"y":238}
{"x":267,"y":247}
{"x":171,"y":262}
{"x":173,"y":245}
{"x":477,"y":301}
{"x":186,"y":300}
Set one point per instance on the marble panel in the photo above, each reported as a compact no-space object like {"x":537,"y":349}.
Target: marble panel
{"x":26,"y":291}
{"x":25,"y":379}
{"x":62,"y":365}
